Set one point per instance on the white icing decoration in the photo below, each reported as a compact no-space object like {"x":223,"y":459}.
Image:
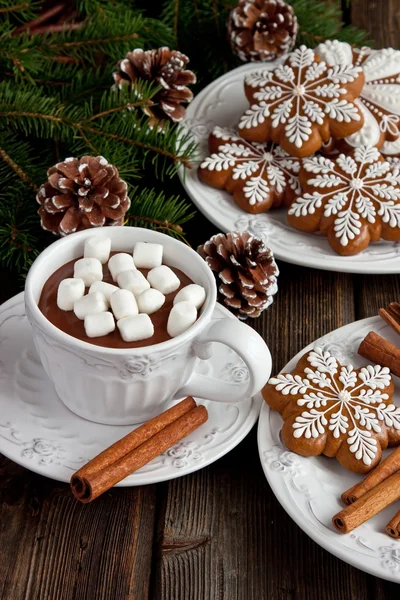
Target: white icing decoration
{"x":353,"y":406}
{"x":263,"y":166}
{"x":352,"y":191}
{"x":301,"y":93}
{"x":380,"y":97}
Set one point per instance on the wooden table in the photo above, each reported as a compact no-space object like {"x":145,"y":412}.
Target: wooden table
{"x":218,"y":534}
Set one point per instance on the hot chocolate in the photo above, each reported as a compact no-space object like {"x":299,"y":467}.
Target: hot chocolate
{"x":68,"y":322}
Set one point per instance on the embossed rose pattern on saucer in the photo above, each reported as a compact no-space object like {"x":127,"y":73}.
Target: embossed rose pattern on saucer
{"x":38,"y":432}
{"x":221,"y":104}
{"x":309,"y":488}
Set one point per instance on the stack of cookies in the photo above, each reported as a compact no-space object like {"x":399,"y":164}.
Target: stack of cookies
{"x":319,"y":138}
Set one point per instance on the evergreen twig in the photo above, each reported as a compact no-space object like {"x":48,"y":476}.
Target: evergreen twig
{"x":17,"y":169}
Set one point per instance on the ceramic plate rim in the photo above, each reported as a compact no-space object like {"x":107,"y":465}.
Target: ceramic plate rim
{"x":290,"y":508}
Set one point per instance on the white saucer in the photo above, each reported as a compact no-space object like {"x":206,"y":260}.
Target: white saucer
{"x":222,"y":103}
{"x":309,"y":488}
{"x":38,"y":432}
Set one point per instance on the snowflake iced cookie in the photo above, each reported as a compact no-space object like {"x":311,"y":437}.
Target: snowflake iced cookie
{"x":302,"y":103}
{"x":336,"y":410}
{"x":258,"y":176}
{"x":353,"y":199}
{"x":380,"y":96}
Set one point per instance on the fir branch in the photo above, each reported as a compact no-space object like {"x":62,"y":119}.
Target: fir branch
{"x":146,"y":206}
{"x":69,"y":121}
{"x":98,"y":42}
{"x":15,"y":8}
{"x":17,"y":169}
{"x":185,"y":161}
{"x":110,"y":111}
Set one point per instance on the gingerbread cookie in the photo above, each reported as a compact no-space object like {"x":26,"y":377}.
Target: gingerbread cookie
{"x":380,"y":96}
{"x":336,"y":410}
{"x":353,"y":199}
{"x":257,"y":175}
{"x":302,"y":103}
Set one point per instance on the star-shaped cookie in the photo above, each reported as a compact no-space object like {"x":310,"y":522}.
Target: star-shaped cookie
{"x":380,"y":97}
{"x":336,"y":410}
{"x":353,"y":199}
{"x":302,"y":103}
{"x":258,"y":176}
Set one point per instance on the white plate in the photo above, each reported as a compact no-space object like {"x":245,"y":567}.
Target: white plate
{"x":38,"y":432}
{"x":222,"y":103}
{"x":309,"y":488}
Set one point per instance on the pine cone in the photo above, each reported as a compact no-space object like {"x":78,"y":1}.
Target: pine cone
{"x":245,"y":271}
{"x":166,"y":68}
{"x":82,"y":193}
{"x":262,"y":30}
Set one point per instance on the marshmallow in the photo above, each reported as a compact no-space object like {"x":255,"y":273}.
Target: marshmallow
{"x":134,"y":281}
{"x":133,"y":329}
{"x":163,"y":279}
{"x":99,"y":324}
{"x":193,"y":293}
{"x":123,"y":304}
{"x":150,"y":301}
{"x":98,"y":247}
{"x":147,"y":256}
{"x":120,"y":262}
{"x":181,"y":317}
{"x":104,"y":288}
{"x":88,"y":269}
{"x":69,"y":290}
{"x":90,"y":305}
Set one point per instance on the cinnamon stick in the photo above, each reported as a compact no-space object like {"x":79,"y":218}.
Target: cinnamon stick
{"x":136,"y":449}
{"x":378,"y":350}
{"x":381,"y":496}
{"x":393,"y":527}
{"x":385,"y":469}
{"x":391,"y":314}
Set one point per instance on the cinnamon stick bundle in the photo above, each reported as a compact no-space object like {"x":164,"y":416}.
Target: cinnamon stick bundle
{"x":391,"y":315}
{"x":393,"y":527}
{"x":378,"y":350}
{"x":137,"y":449}
{"x":378,"y":498}
{"x":385,"y":469}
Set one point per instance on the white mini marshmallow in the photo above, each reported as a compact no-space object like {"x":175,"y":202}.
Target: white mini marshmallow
{"x":69,"y":290}
{"x":88,"y":269}
{"x":133,"y":329}
{"x":181,"y":317}
{"x":123,"y":304}
{"x":99,"y":324}
{"x":134,"y":281}
{"x":98,"y":247}
{"x":120,"y":262}
{"x":150,"y":301}
{"x":163,"y":279}
{"x":104,"y":288}
{"x":193,"y":293}
{"x":147,"y":256}
{"x":90,"y":305}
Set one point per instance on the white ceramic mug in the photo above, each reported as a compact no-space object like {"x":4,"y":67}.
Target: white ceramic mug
{"x":127,"y":386}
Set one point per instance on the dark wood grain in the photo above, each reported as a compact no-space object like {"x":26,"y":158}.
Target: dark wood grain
{"x":380,"y":18}
{"x":54,"y":548}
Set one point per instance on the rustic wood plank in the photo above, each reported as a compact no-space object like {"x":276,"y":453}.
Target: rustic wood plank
{"x":375,"y":292}
{"x":222,"y":534}
{"x":381,"y":18}
{"x":55,"y":548}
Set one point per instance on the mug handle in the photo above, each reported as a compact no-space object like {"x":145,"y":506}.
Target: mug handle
{"x":251,"y":348}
